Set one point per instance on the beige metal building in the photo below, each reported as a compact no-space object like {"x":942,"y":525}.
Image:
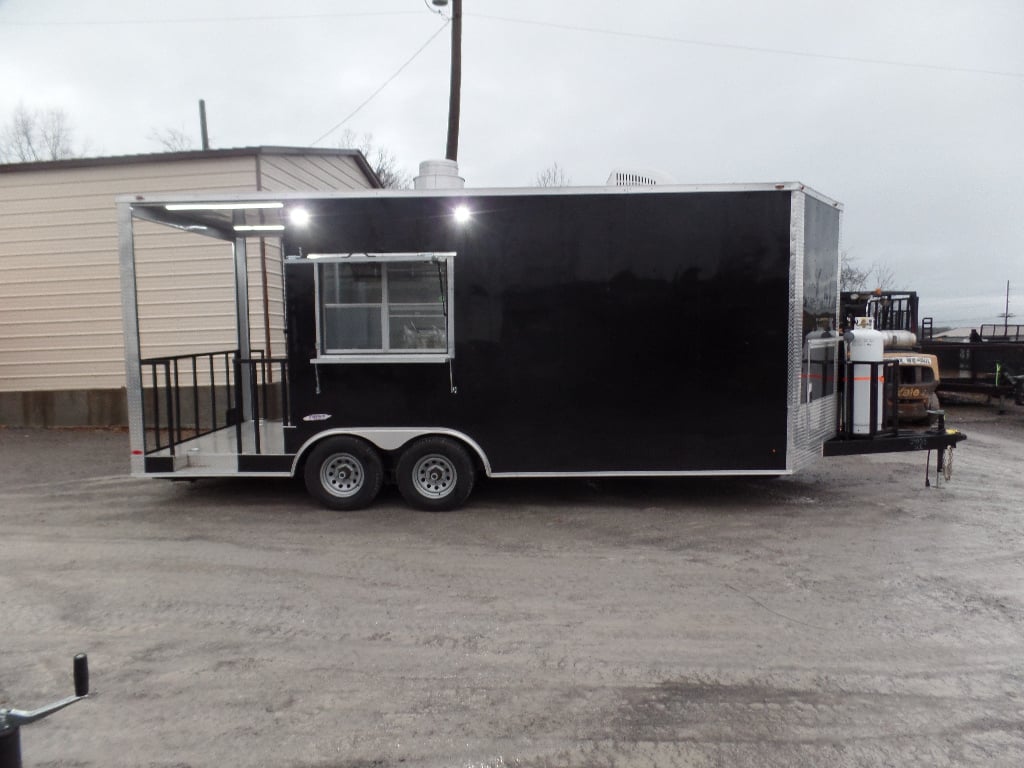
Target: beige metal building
{"x":61,"y":345}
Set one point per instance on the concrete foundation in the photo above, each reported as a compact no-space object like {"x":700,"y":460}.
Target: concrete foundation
{"x":64,"y":408}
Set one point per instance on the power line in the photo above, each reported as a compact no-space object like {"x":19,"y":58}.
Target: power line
{"x":204,"y":19}
{"x":386,"y":83}
{"x":748,"y":48}
{"x":551,"y":25}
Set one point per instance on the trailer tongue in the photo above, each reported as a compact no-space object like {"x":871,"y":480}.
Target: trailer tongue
{"x":421,"y":337}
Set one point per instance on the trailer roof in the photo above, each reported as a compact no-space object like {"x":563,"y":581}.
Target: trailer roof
{"x":227,"y":216}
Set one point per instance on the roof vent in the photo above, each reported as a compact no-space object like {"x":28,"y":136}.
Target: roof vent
{"x":627,"y":177}
{"x":439,"y":174}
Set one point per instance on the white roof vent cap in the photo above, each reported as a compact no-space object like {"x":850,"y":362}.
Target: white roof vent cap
{"x":632,"y":177}
{"x":439,"y":174}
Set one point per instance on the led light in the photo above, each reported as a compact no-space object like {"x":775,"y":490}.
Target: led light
{"x":462,"y":214}
{"x":220,"y":206}
{"x":259,"y":227}
{"x":298,"y":216}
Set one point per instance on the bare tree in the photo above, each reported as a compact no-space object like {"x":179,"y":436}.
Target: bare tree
{"x":885,"y":276}
{"x":383,"y":160}
{"x":172,"y":139}
{"x":553,"y":176}
{"x":39,"y":134}
{"x":853,"y":278}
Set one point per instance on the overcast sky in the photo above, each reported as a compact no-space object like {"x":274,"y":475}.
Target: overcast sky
{"x":910,"y":113}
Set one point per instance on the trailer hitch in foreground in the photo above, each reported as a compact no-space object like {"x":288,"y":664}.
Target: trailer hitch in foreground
{"x":11,"y":720}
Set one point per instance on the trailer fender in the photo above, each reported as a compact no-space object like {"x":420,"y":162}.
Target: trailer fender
{"x":391,"y":439}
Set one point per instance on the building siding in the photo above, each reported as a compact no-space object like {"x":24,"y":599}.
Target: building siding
{"x":60,"y":304}
{"x":294,"y":173}
{"x":60,"y":308}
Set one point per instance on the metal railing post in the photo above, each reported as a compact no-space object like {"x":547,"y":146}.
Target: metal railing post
{"x":213,"y":393}
{"x":156,"y":411}
{"x":195,"y":395}
{"x":254,"y":385}
{"x":238,"y":399}
{"x":286,"y":408}
{"x":171,"y":428}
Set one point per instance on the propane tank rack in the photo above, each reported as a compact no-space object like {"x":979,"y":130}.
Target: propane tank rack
{"x":881,"y":385}
{"x":883,"y":434}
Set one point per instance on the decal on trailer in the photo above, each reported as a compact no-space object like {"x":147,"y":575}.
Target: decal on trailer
{"x":317,"y":417}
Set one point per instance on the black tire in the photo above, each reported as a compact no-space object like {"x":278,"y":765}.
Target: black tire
{"x":344,"y":473}
{"x":436,"y":474}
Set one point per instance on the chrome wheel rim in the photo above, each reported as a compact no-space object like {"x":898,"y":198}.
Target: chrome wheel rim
{"x":434,"y":476}
{"x":342,"y":475}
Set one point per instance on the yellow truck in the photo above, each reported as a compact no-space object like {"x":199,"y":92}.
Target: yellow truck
{"x":895,"y":315}
{"x":919,"y":379}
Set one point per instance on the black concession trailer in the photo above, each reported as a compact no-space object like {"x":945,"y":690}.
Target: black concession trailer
{"x":431,"y":335}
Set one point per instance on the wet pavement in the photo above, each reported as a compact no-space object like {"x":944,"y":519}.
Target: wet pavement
{"x":849,"y":616}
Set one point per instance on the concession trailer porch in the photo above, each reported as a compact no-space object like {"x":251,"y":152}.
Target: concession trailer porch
{"x":425,"y":336}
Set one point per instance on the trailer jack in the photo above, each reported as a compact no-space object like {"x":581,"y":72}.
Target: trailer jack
{"x":11,"y":720}
{"x":943,"y":455}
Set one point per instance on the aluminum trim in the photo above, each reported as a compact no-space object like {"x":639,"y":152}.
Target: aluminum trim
{"x":161,"y":199}
{"x":796,"y":298}
{"x":449,"y":308}
{"x":330,"y":258}
{"x":653,"y":473}
{"x":383,"y":357}
{"x":317,"y":313}
{"x":130,"y":325}
{"x":393,"y":438}
{"x":160,"y":215}
{"x":809,"y":425}
{"x":242,"y":322}
{"x":185,"y":474}
{"x":497,"y":475}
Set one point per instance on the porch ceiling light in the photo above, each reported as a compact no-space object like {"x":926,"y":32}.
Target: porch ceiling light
{"x":259,"y":227}
{"x":220,"y":206}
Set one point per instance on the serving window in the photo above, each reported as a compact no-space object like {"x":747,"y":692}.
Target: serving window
{"x":384,"y":307}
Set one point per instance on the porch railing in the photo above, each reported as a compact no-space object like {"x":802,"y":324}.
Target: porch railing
{"x":188,"y":396}
{"x":261,"y":383}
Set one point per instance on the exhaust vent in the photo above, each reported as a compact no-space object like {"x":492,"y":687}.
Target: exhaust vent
{"x":439,"y":174}
{"x":625,"y":177}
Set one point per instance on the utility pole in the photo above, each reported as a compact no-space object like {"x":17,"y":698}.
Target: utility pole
{"x":202,"y":125}
{"x":1006,"y":312}
{"x":454,"y":96}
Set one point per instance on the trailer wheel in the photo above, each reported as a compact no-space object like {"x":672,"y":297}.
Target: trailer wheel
{"x":435,"y":474}
{"x":344,"y":473}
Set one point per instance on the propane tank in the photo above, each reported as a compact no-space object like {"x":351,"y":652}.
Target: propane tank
{"x":866,"y":345}
{"x":899,"y":339}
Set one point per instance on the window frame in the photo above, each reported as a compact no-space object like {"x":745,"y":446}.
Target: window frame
{"x":447,"y":258}
{"x":808,"y":368}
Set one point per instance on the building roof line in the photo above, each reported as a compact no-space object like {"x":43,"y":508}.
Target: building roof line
{"x":198,"y":154}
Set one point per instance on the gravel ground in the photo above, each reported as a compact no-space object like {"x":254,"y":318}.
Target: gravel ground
{"x":849,"y":616}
